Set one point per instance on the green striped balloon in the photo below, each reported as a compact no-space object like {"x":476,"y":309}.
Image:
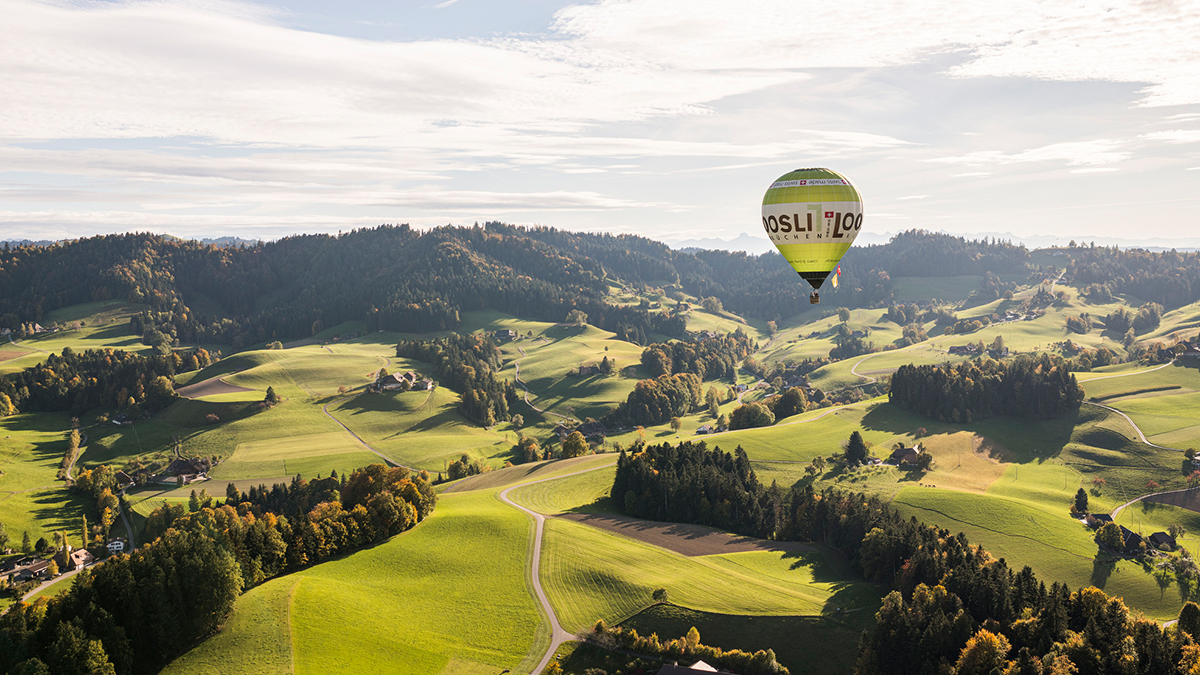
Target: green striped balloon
{"x":812,"y":216}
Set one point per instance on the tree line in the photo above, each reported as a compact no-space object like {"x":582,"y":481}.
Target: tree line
{"x":1169,"y":278}
{"x":467,"y":364}
{"x":137,"y":612}
{"x":655,"y":401}
{"x":316,"y":519}
{"x":711,"y":358}
{"x":1034,"y":387}
{"x":954,"y":609}
{"x":80,"y":381}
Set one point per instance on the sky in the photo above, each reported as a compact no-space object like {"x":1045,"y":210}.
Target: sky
{"x":666,"y":118}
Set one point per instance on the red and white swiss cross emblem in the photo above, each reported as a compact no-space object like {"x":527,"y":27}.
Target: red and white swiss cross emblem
{"x":829,"y":214}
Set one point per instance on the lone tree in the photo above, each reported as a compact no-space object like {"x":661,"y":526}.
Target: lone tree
{"x":1081,"y":501}
{"x":856,"y":449}
{"x":661,"y":595}
{"x":843,"y":314}
{"x":271,"y":396}
{"x":575,"y":445}
{"x":518,"y":421}
{"x":676,"y":424}
{"x":1110,"y":537}
{"x":577,"y":317}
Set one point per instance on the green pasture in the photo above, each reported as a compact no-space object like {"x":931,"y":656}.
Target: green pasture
{"x":422,"y":429}
{"x":700,"y":319}
{"x":591,"y":574}
{"x":32,"y":499}
{"x":1056,"y":547}
{"x":294,"y":455}
{"x":582,"y":493}
{"x":556,"y":350}
{"x":794,"y":639}
{"x":525,"y":473}
{"x":1179,"y":323}
{"x":106,"y":325}
{"x":448,"y":596}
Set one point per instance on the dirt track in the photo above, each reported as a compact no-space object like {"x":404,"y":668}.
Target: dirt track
{"x":210,"y":387}
{"x":689,"y":540}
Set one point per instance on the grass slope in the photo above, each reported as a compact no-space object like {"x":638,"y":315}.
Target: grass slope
{"x":590,"y":574}
{"x":415,"y":604}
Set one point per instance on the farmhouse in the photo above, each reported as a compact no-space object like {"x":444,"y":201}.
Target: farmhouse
{"x":505,"y":335}
{"x":1097,"y":520}
{"x":116,"y":546}
{"x":123,"y":479}
{"x":902,"y":455}
{"x":1160,"y":539}
{"x":588,"y":371}
{"x":704,"y":429}
{"x":1191,"y":351}
{"x":1130,"y":539}
{"x":964,"y":350}
{"x":34,"y":570}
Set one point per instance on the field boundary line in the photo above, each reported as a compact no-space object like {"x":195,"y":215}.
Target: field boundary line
{"x":356,"y":437}
{"x":558,"y":635}
{"x":517,"y":377}
{"x":288,"y":616}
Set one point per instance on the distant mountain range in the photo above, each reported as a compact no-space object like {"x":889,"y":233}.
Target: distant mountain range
{"x":756,"y":245}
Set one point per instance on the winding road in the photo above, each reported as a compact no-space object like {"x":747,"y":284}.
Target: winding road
{"x":1136,"y":429}
{"x":558,"y":635}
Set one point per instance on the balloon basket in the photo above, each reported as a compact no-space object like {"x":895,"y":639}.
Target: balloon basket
{"x":814,"y":299}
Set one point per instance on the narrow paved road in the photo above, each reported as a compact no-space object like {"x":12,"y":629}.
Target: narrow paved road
{"x":1136,"y":372}
{"x":1121,"y":508}
{"x":558,"y":634}
{"x":1134,"y":425}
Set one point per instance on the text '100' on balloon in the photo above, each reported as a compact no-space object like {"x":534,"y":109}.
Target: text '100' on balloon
{"x":812,"y":216}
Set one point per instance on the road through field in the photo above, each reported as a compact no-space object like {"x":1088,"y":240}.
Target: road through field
{"x":1134,"y":425}
{"x":558,"y":634}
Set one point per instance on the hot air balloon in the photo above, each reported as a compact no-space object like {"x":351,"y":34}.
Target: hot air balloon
{"x":812,"y":216}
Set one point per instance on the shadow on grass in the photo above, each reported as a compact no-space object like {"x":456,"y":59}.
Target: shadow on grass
{"x":1102,"y":568}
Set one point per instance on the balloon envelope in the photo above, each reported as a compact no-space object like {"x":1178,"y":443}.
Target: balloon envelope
{"x":812,"y":216}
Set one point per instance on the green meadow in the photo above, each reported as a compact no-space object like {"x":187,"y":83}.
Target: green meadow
{"x":591,"y":574}
{"x":32,"y":498}
{"x":415,"y":603}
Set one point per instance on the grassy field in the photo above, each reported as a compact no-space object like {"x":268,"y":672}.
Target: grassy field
{"x":582,"y":493}
{"x":795,"y":639}
{"x":414,"y":603}
{"x":32,"y":499}
{"x":421,"y":429}
{"x":590,"y":574}
{"x":106,"y":324}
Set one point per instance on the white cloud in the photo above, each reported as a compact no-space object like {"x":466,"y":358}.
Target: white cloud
{"x":1175,"y":136}
{"x":1096,"y":169}
{"x":1100,"y":151}
{"x":901,"y":199}
{"x":204,"y":105}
